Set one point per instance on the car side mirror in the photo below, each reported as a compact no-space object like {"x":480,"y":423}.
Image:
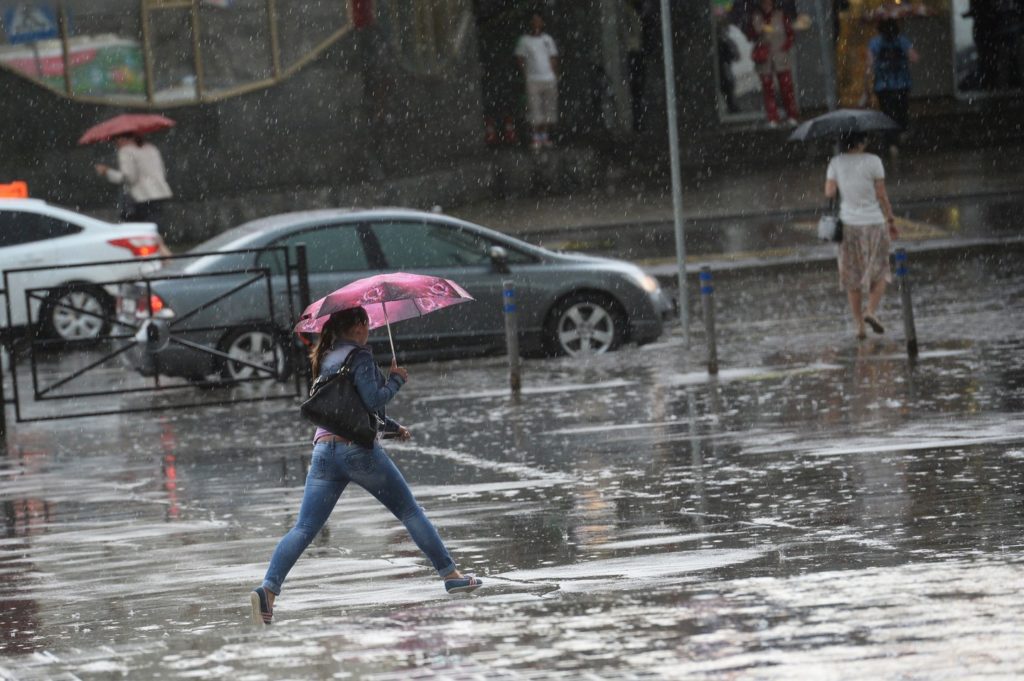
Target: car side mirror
{"x":499,"y":259}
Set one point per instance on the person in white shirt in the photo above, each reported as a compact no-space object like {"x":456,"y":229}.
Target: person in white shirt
{"x":141,"y":171}
{"x":537,"y":57}
{"x":868,"y":225}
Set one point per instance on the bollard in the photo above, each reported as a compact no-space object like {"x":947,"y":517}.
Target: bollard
{"x":903,"y":278}
{"x":302,"y":270}
{"x":708,"y":302}
{"x":511,"y":335}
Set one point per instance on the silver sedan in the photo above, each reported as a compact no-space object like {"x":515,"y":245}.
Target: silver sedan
{"x":233,"y":302}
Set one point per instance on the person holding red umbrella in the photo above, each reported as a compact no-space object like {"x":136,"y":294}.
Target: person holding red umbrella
{"x":140,"y":167}
{"x":141,"y":171}
{"x":338,"y":461}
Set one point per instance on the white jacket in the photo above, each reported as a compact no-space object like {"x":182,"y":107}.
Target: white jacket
{"x":142,"y":172}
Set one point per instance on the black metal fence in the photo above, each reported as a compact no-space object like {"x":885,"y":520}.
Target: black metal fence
{"x":81,"y":377}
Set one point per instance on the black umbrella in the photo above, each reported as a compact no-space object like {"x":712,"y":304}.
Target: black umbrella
{"x":841,"y":121}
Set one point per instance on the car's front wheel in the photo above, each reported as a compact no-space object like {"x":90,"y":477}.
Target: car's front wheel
{"x":77,"y":312}
{"x":253,"y":347}
{"x":585,"y":324}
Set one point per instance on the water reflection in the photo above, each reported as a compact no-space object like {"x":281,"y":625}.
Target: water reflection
{"x":632,"y":518}
{"x":25,"y":515}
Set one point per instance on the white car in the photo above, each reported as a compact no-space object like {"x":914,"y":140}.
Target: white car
{"x":79,"y":304}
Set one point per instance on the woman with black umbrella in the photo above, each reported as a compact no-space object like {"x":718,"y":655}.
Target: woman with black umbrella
{"x":868,"y":225}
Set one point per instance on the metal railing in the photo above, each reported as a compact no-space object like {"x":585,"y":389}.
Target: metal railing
{"x":140,"y":332}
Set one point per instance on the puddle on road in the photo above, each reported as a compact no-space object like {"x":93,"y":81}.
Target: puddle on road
{"x":828,"y":506}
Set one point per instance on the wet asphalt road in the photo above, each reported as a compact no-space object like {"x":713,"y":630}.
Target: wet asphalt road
{"x":823,"y":510}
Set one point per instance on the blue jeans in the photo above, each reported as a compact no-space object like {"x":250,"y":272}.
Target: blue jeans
{"x":334,"y":465}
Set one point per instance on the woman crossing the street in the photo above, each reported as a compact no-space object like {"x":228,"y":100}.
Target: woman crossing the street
{"x":337,"y":461}
{"x":868,"y":225}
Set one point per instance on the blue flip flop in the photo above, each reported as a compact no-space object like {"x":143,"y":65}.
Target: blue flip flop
{"x":462,"y":585}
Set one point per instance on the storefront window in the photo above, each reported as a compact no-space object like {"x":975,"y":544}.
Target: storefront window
{"x":763,"y":48}
{"x":430,"y":33}
{"x":104,"y":52}
{"x":925,"y":23}
{"x":988,"y":49}
{"x":31,"y":43}
{"x":171,"y":46}
{"x":235,"y":45}
{"x":304,"y":27}
{"x":164,"y":51}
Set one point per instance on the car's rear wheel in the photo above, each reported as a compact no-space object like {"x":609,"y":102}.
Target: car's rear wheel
{"x":77,"y":312}
{"x":585,"y":324}
{"x":261,"y":346}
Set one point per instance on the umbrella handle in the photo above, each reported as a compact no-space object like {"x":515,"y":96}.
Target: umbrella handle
{"x":384,"y":306}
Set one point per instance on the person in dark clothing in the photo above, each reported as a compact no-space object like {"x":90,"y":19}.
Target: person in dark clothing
{"x":728,"y":53}
{"x":633,"y":38}
{"x":889,"y":57}
{"x":996,"y":30}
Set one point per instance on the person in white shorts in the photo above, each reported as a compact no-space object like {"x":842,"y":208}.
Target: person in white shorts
{"x":537,"y":57}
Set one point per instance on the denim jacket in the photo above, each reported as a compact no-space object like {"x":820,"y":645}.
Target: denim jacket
{"x":375,"y":390}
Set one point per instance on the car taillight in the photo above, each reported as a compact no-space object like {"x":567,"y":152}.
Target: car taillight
{"x":140,"y":246}
{"x":156,"y":304}
{"x":154,"y":307}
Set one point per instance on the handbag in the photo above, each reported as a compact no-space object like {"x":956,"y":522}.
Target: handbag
{"x":830,"y":227}
{"x":335,"y":405}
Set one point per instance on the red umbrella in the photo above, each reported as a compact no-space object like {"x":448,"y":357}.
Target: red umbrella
{"x":896,"y":10}
{"x":387,"y":298}
{"x":125,"y":124}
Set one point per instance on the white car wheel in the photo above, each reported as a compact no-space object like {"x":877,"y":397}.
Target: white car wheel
{"x":254,"y":346}
{"x":585,"y":325}
{"x":78,"y":314}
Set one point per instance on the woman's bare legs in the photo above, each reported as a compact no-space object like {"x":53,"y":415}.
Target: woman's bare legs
{"x":875,"y":296}
{"x":855,"y":297}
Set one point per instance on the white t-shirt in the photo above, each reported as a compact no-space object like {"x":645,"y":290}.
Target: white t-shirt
{"x":537,"y":51}
{"x":855,"y":174}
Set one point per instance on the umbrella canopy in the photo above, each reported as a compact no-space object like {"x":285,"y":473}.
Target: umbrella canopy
{"x":387,"y":298}
{"x":842,"y":121}
{"x":896,"y":10}
{"x":125,"y":124}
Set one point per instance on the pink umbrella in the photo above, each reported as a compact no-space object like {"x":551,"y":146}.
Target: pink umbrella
{"x":387,"y":298}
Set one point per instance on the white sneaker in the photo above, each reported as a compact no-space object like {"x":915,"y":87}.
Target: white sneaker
{"x":773,"y":125}
{"x":792,"y":122}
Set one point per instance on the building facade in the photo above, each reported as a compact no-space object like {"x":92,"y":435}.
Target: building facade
{"x":286,"y":104}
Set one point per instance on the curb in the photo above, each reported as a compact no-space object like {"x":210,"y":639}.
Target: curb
{"x":667,"y":272}
{"x":791,"y":213}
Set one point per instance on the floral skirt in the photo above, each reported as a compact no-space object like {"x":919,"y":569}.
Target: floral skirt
{"x":864,"y":257}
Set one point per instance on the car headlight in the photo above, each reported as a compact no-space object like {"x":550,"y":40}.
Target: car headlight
{"x":648,"y":283}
